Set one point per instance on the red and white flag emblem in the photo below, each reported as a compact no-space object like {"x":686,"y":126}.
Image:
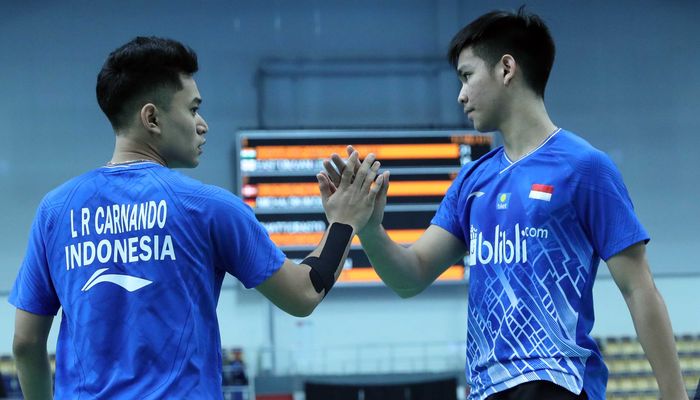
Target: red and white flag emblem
{"x":541,"y":192}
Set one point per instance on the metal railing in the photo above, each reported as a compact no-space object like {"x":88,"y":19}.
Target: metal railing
{"x":387,"y":358}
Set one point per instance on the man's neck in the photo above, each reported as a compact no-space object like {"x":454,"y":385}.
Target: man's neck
{"x":526,"y":128}
{"x":127,"y":150}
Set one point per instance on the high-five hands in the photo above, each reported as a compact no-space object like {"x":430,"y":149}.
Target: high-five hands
{"x":354,"y":180}
{"x":351,"y":200}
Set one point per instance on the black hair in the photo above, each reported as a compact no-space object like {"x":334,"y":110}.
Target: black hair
{"x":146,"y":69}
{"x":522,"y":35}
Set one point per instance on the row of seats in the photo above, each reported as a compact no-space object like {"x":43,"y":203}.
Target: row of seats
{"x":631,"y":377}
{"x":626,"y":345}
{"x":637,"y":364}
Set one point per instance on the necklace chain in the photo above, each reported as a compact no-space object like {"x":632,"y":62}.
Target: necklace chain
{"x":111,"y":164}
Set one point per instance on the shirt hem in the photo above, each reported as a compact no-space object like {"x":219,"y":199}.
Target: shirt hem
{"x":520,"y":379}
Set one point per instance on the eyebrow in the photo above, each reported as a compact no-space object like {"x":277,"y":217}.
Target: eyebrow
{"x":464,"y":68}
{"x":196,"y":101}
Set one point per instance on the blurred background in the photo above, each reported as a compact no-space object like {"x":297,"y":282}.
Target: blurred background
{"x":625,"y":78}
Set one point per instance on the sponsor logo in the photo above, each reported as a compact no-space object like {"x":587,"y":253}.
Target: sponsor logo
{"x":130,"y":283}
{"x":506,"y":247}
{"x":541,"y":192}
{"x":502,"y":201}
{"x":475,"y":194}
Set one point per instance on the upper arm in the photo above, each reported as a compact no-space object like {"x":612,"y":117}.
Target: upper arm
{"x":290,"y":289}
{"x":436,"y":250}
{"x":31,"y":330}
{"x":630,"y":269}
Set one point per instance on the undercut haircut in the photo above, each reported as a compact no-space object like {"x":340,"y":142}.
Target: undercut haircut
{"x":522,"y":35}
{"x":144,"y":70}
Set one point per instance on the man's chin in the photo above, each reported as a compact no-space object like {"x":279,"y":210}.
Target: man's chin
{"x":482,"y":127}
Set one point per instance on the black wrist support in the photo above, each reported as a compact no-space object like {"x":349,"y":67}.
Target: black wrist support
{"x":323,"y":267}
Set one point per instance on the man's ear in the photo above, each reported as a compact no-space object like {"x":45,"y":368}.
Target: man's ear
{"x":149,"y":118}
{"x":508,"y":66}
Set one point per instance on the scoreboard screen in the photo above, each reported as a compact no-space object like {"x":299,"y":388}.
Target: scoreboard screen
{"x":276,"y":176}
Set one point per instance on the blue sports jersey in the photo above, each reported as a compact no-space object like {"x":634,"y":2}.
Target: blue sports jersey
{"x":135,"y":255}
{"x":536,"y":230}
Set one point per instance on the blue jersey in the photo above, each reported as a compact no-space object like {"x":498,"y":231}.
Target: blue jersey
{"x":135,"y":255}
{"x":536,"y":230}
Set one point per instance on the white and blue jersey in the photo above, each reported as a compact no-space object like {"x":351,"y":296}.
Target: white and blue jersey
{"x":536,"y":230}
{"x":135,"y":255}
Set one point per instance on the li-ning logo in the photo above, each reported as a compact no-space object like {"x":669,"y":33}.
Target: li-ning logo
{"x":502,"y":249}
{"x":130,"y":283}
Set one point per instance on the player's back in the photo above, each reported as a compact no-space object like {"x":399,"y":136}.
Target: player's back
{"x":132,"y":266}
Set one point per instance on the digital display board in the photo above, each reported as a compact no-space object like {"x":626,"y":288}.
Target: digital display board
{"x":276,"y":176}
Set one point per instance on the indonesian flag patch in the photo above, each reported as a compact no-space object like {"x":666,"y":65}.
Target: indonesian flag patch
{"x":541,"y":192}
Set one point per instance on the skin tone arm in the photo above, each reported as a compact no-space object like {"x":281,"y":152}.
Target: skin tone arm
{"x":352,"y":203}
{"x":630,"y":270}
{"x":406,"y":270}
{"x":409,"y":270}
{"x":29,"y":348}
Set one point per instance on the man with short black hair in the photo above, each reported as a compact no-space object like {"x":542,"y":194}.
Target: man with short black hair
{"x":135,"y":253}
{"x":535,"y":217}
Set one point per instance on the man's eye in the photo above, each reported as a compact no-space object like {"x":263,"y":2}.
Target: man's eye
{"x":194,"y":110}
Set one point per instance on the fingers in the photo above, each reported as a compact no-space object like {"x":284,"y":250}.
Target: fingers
{"x":339,"y":163}
{"x":380,"y":188}
{"x":344,"y":174}
{"x":385,"y":183}
{"x":336,"y":165}
{"x":332,"y":173}
{"x":324,"y":180}
{"x":347,"y":175}
{"x":365,"y":175}
{"x":371,"y":174}
{"x":324,"y":185}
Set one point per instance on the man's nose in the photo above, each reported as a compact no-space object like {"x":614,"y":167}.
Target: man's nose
{"x":202,"y":127}
{"x":462,"y":97}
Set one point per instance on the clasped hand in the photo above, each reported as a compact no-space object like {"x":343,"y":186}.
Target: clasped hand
{"x":351,"y":195}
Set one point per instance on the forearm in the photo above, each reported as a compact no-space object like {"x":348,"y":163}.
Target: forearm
{"x":34,"y":373}
{"x":299,"y":288}
{"x":398,"y":266}
{"x":327,"y":260}
{"x":655,"y":334}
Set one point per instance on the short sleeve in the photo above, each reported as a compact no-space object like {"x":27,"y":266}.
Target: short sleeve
{"x":33,"y":290}
{"x":448,"y":214}
{"x":241,"y":244}
{"x":605,"y":207}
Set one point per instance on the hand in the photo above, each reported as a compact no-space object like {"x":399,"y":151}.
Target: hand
{"x":352,"y":200}
{"x":331,"y":177}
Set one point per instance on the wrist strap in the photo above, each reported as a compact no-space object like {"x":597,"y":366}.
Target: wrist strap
{"x":323,"y":267}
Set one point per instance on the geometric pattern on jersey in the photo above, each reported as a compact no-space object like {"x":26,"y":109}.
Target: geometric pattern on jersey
{"x":139,"y":322}
{"x":535,"y":323}
{"x":536,"y":231}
